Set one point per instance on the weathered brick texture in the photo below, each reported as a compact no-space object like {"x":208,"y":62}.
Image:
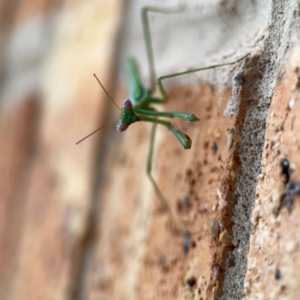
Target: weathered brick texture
{"x":83,"y":222}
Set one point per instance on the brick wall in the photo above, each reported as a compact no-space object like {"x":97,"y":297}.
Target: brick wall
{"x":83,"y":222}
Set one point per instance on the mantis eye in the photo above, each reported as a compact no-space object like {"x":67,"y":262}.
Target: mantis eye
{"x":121,"y":127}
{"x":127,"y":104}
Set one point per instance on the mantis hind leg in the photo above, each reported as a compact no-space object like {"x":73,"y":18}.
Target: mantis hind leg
{"x":159,"y":194}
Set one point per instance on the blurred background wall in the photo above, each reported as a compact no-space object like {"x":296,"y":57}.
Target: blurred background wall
{"x":49,"y":99}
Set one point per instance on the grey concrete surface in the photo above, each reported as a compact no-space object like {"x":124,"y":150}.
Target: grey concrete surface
{"x":206,"y":32}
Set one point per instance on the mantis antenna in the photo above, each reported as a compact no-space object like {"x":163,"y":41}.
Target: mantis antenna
{"x":107,"y":92}
{"x":95,"y":132}
{"x":106,"y":123}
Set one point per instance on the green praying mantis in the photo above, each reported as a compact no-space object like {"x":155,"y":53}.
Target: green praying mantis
{"x":139,"y":106}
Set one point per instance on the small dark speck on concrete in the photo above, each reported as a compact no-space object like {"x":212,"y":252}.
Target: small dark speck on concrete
{"x":277,"y":274}
{"x":186,"y":244}
{"x":239,"y":79}
{"x":186,"y":203}
{"x":191,"y":281}
{"x":285,"y":170}
{"x":189,"y":172}
{"x":217,"y":269}
{"x":214,"y":229}
{"x":292,"y":189}
{"x":215,"y":148}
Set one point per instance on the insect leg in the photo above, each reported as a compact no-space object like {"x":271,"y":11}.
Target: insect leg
{"x":183,"y":138}
{"x":160,"y":79}
{"x":147,"y":35}
{"x":172,"y":114}
{"x":159,"y":194}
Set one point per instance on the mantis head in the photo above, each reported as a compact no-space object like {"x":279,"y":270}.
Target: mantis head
{"x":127,"y":116}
